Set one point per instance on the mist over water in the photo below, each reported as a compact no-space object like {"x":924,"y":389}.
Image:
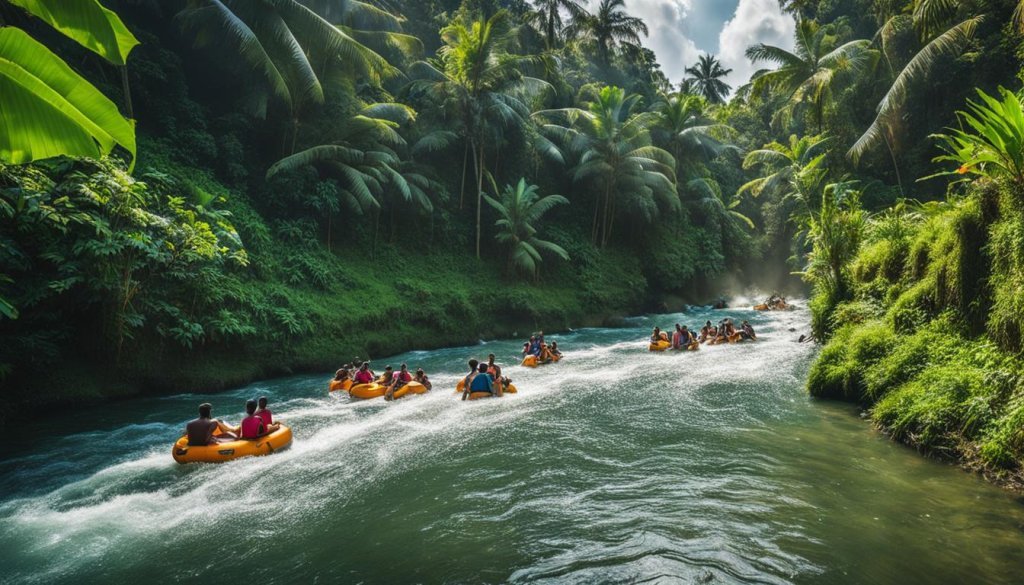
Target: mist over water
{"x":614,"y":465}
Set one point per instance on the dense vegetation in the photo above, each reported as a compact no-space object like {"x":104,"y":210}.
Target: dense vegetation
{"x":312,"y":179}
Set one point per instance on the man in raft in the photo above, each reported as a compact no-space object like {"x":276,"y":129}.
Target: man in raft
{"x":422,"y":378}
{"x":495,"y":371}
{"x":399,"y":379}
{"x":747,"y":331}
{"x":677,"y":338}
{"x":480,"y":385}
{"x":656,"y":335}
{"x":203,"y":430}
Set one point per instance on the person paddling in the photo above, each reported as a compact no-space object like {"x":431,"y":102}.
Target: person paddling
{"x":206,"y":430}
{"x":399,"y":379}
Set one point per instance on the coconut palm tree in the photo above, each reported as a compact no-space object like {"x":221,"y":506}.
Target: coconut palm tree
{"x":291,"y":47}
{"x":519,"y":209}
{"x":808,"y":73}
{"x":610,"y":149}
{"x":683,"y":126}
{"x":930,"y":18}
{"x":480,"y":85}
{"x":548,"y":14}
{"x":611,"y":27}
{"x":707,"y":79}
{"x":791,"y":170}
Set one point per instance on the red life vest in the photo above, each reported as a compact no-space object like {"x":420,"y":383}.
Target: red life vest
{"x":266,"y":416}
{"x":252,"y":427}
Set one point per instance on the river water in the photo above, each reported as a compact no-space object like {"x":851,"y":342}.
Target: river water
{"x":615,"y":465}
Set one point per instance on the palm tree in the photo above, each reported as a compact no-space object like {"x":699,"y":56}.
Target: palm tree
{"x":683,"y":125}
{"x":792,"y":170}
{"x":520,"y":208}
{"x":707,"y":79}
{"x":290,"y":46}
{"x":807,"y":74}
{"x":610,"y":149}
{"x":611,"y":27}
{"x":548,"y":13}
{"x":480,"y":84}
{"x":929,"y":18}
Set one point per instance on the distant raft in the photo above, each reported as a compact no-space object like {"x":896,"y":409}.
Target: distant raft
{"x":375,"y":390}
{"x":532,"y":361}
{"x":221,"y":452}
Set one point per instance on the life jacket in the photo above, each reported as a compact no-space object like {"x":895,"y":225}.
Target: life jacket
{"x":364,"y":377}
{"x":266,"y":416}
{"x":677,"y":338}
{"x":252,"y":427}
{"x":482,"y":383}
{"x":406,"y":377}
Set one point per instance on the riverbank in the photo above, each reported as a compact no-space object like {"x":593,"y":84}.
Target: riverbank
{"x":929,"y":341}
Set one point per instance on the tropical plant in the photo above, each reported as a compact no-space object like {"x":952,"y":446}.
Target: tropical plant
{"x":707,"y":79}
{"x":789,"y":167}
{"x":890,"y":109}
{"x":683,"y":125}
{"x":992,"y":141}
{"x":479,"y":84}
{"x":548,"y":14}
{"x":292,"y":48}
{"x":610,"y":149}
{"x":808,"y":73}
{"x":50,"y":110}
{"x":610,"y":27}
{"x":519,"y":208}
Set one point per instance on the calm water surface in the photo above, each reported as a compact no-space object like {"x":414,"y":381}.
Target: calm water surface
{"x":615,"y":465}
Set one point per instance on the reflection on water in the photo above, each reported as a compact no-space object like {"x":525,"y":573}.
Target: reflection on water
{"x":615,"y":465}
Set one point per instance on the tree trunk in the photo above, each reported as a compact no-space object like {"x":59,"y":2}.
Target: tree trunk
{"x":593,"y":224}
{"x":465,"y":163}
{"x":895,"y":165}
{"x":479,"y":197}
{"x":127,"y":93}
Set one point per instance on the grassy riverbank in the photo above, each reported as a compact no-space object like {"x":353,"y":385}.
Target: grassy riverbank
{"x":930,"y":341}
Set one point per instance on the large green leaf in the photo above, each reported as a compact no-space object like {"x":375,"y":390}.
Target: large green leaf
{"x":49,"y":110}
{"x":87,"y":22}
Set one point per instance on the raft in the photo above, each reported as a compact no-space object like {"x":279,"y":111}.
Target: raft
{"x":410,"y":388}
{"x":221,"y":452}
{"x":531,"y":361}
{"x":660,"y":346}
{"x":339,"y":385}
{"x":366,"y":391}
{"x":510,"y":389}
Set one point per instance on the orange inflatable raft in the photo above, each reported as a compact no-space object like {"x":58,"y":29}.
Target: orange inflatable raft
{"x":221,"y":452}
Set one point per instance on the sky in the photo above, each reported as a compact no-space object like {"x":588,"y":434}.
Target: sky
{"x":681,"y":30}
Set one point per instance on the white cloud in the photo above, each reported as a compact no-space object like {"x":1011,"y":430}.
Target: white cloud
{"x":755,"y":21}
{"x":668,"y":40}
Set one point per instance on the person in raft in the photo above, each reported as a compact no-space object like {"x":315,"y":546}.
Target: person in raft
{"x":268,"y":417}
{"x":677,"y":337}
{"x":252,"y":426}
{"x":364,"y":375}
{"x":747,"y":331}
{"x":545,"y":353}
{"x":399,"y":379}
{"x":340,"y":377}
{"x":534,"y":346}
{"x":203,"y":430}
{"x":387,"y":377}
{"x":481,"y":385}
{"x":705,"y":332}
{"x":422,"y":378}
{"x":554,"y":349}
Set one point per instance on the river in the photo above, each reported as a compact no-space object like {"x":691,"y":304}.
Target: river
{"x":615,"y":465}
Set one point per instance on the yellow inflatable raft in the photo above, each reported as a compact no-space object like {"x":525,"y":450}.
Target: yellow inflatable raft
{"x":342,"y":385}
{"x":221,"y":452}
{"x":510,"y":389}
{"x":660,"y":346}
{"x":375,"y":390}
{"x":530,"y":361}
